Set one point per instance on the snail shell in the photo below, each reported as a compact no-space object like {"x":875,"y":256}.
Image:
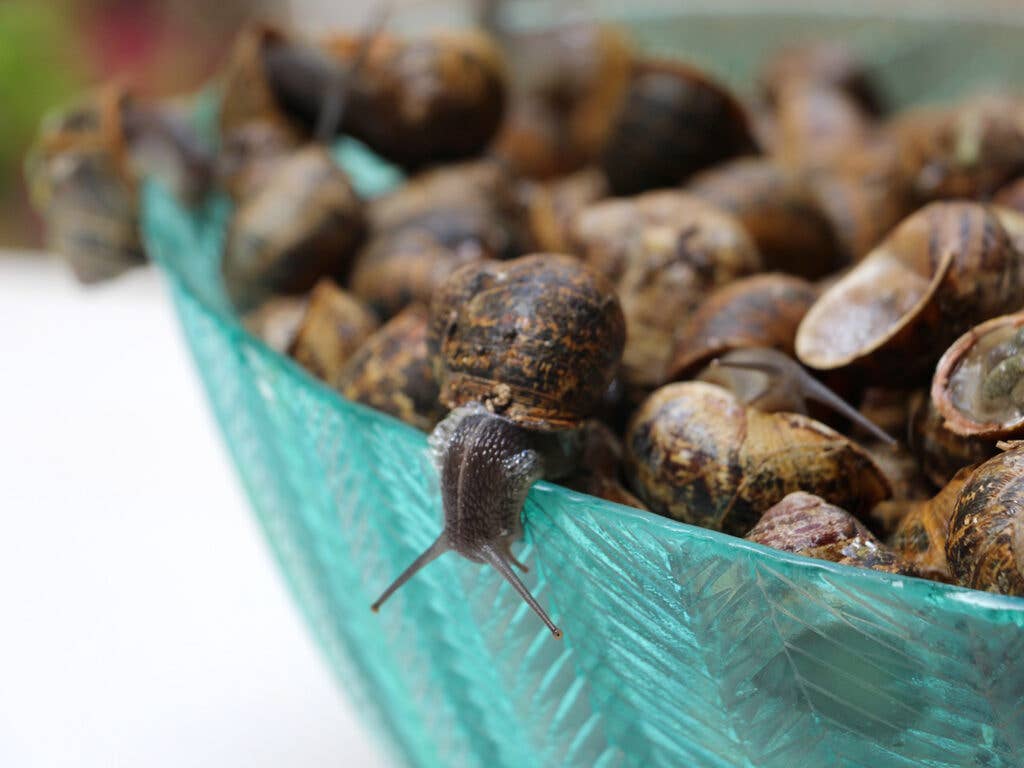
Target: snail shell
{"x":249,"y":154}
{"x":944,"y":268}
{"x":536,"y":339}
{"x":423,"y":100}
{"x":941,"y":452}
{"x":303,"y":225}
{"x":978,"y":386}
{"x":985,"y":547}
{"x":335,"y":325}
{"x":276,"y":321}
{"x":815,"y":125}
{"x":808,"y":525}
{"x":778,"y":212}
{"x":392,"y":372}
{"x":551,"y":206}
{"x":673,"y":121}
{"x":759,"y":311}
{"x":696,"y":454}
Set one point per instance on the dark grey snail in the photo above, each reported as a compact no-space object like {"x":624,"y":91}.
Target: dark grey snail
{"x":486,"y":465}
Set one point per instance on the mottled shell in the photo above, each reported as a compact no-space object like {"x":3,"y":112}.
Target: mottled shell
{"x":553,"y":205}
{"x":673,"y":121}
{"x":920,"y":537}
{"x":778,"y":212}
{"x":537,"y":339}
{"x":303,"y":225}
{"x":969,"y":150}
{"x":423,"y":100}
{"x":825,"y":63}
{"x":758,"y":311}
{"x":940,"y":452}
{"x":944,"y":268}
{"x":246,"y":92}
{"x":335,"y":325}
{"x":808,"y":525}
{"x":696,"y":454}
{"x":392,"y":372}
{"x":567,"y":84}
{"x":277,"y":320}
{"x":82,"y":183}
{"x":959,"y":380}
{"x":985,"y":548}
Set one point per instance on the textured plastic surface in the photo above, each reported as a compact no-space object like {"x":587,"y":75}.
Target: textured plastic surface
{"x":682,"y":647}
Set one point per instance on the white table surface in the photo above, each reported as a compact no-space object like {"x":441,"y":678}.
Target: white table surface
{"x":142,"y":620}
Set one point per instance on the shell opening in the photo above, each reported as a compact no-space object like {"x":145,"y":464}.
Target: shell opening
{"x":988,"y":384}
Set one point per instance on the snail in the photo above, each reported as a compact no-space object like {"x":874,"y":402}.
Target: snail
{"x":985,"y":545}
{"x":826,"y":64}
{"x":759,"y":311}
{"x":304,"y":224}
{"x":85,"y":168}
{"x":808,"y":525}
{"x":923,"y":527}
{"x":333,"y":328}
{"x":944,"y":268}
{"x":978,"y":386}
{"x":276,"y":321}
{"x":778,"y":211}
{"x":392,"y":371}
{"x":697,"y":454}
{"x":673,"y":121}
{"x":773,"y":382}
{"x":521,"y":347}
{"x":551,"y":206}
{"x":567,"y":83}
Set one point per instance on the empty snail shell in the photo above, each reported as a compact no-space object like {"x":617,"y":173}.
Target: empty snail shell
{"x":335,"y":325}
{"x":303,"y":225}
{"x":985,"y":546}
{"x":777,"y":210}
{"x":808,"y":525}
{"x":392,"y":371}
{"x":772,"y":381}
{"x":920,"y":537}
{"x":673,"y":121}
{"x":551,"y":206}
{"x":426,"y":99}
{"x":759,"y":311}
{"x":978,"y":385}
{"x":944,"y":268}
{"x":486,"y":466}
{"x":567,"y":84}
{"x":277,"y":320}
{"x":941,"y":452}
{"x":697,"y":454}
{"x":536,"y":339}
{"x":827,"y":64}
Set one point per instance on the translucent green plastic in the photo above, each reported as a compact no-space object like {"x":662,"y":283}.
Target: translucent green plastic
{"x":683,"y":647}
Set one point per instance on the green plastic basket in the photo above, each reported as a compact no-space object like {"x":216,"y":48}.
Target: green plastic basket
{"x":683,"y":647}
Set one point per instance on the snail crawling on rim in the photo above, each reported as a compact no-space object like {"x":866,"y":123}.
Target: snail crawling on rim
{"x":525,"y":349}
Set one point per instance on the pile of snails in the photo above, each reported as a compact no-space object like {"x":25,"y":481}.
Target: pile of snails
{"x":794,"y":317}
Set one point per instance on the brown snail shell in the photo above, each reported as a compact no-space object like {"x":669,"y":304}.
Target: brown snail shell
{"x":303,"y":225}
{"x":673,"y":121}
{"x":249,"y":154}
{"x":944,"y":268}
{"x":567,"y":83}
{"x":985,"y":546}
{"x":969,"y":150}
{"x":920,"y":537}
{"x":334,"y":327}
{"x":941,"y":452}
{"x":551,"y":206}
{"x":808,"y":525}
{"x":778,"y":212}
{"x":392,"y":371}
{"x":696,"y":454}
{"x":277,"y":320}
{"x":815,"y":125}
{"x":978,"y":386}
{"x":824,"y":63}
{"x":759,"y":311}
{"x":536,"y":339}
{"x":420,"y":100}
{"x":82,"y":182}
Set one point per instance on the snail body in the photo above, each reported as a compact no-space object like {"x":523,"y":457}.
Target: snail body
{"x":985,"y":545}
